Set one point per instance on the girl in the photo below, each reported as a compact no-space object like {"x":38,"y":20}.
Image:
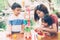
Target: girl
{"x":49,"y":25}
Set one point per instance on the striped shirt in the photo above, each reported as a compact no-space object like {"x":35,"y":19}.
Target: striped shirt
{"x":16,"y":22}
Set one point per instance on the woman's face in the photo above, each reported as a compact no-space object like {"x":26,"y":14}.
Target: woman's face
{"x":40,"y":13}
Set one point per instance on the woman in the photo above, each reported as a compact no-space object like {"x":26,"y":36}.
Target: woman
{"x":40,"y":11}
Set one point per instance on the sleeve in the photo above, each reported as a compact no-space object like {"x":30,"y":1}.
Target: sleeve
{"x":22,"y":17}
{"x":54,"y":18}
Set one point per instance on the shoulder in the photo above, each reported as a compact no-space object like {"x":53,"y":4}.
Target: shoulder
{"x":53,"y":15}
{"x":10,"y":17}
{"x":21,"y":16}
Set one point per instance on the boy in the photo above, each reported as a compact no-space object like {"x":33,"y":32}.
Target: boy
{"x":15,"y":21}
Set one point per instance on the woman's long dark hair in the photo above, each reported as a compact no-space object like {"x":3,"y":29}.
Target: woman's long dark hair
{"x":36,"y":17}
{"x":42,"y":8}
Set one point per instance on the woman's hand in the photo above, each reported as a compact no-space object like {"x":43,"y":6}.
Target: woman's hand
{"x":46,"y":33}
{"x":38,"y":29}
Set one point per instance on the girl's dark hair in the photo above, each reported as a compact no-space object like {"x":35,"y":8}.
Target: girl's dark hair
{"x":15,"y":5}
{"x":48,"y":19}
{"x":42,"y":8}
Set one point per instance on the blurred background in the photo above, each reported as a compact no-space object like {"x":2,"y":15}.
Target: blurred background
{"x":5,"y":9}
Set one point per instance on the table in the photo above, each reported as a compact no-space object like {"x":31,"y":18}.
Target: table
{"x":50,"y":38}
{"x":21,"y":37}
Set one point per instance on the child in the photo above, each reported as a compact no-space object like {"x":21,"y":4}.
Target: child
{"x":49,"y":25}
{"x":15,"y":21}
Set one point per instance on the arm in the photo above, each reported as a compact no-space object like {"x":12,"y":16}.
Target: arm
{"x":54,"y":29}
{"x":9,"y":28}
{"x":22,"y":27}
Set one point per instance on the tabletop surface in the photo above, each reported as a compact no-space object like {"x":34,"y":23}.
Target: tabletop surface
{"x":21,"y":37}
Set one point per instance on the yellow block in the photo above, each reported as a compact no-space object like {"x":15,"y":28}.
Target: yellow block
{"x":14,"y":36}
{"x":40,"y":37}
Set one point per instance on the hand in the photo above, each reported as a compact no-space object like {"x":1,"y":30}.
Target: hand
{"x":42,"y":29}
{"x":37,"y":30}
{"x":46,"y":33}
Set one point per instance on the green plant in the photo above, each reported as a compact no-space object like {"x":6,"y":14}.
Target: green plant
{"x":3,"y":25}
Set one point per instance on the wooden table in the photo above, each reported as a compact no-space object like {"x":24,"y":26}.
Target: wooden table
{"x":50,"y":38}
{"x":21,"y":37}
